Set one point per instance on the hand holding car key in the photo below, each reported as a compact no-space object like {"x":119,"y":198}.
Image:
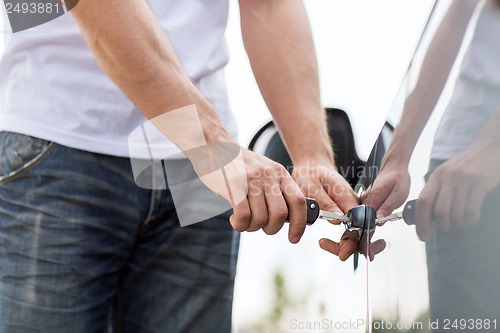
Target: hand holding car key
{"x":360,"y":222}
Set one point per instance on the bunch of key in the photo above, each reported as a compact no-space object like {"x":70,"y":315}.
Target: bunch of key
{"x":360,"y":217}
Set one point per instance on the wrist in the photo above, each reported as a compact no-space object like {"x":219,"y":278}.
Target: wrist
{"x":321,"y":153}
{"x":396,"y":158}
{"x":314,"y":163}
{"x":215,"y":132}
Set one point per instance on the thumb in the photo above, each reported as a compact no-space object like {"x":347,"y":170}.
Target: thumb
{"x":326,"y":203}
{"x":376,"y":196}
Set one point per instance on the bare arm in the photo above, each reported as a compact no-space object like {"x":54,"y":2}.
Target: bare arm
{"x":436,"y":68}
{"x":133,"y":50}
{"x":392,"y":185}
{"x":279,"y":44}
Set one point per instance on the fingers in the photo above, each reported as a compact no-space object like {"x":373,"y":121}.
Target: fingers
{"x":326,"y":203}
{"x":369,"y":249}
{"x":393,"y":201}
{"x":297,"y":210}
{"x":327,"y":186}
{"x":472,"y":212}
{"x":349,"y":244}
{"x":313,"y":187}
{"x":341,"y":194}
{"x":258,"y":207}
{"x":388,"y":192}
{"x":424,"y":208}
{"x":458,"y":208}
{"x":448,"y":204}
{"x":272,"y":197}
{"x":277,"y":209}
{"x":442,"y":208}
{"x":377,"y":247}
{"x":240,"y":220}
{"x":343,"y":250}
{"x":330,"y":246}
{"x":376,"y":194}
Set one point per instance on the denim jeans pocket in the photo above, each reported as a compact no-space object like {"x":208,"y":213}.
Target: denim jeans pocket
{"x":19,"y":152}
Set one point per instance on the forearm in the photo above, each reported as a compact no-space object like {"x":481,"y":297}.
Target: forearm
{"x":132,"y":48}
{"x":279,"y":44}
{"x":434,"y":73}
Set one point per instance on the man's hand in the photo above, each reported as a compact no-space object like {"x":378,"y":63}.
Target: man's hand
{"x":152,"y":76}
{"x":273,"y":197}
{"x":390,"y":189}
{"x":321,"y":181}
{"x":388,"y":192}
{"x":290,"y":86}
{"x":350,"y":243}
{"x":454,"y":194}
{"x":261,"y":192}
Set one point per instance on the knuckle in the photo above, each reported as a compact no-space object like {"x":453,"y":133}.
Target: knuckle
{"x":271,"y":230}
{"x":423,"y":203}
{"x":439,"y":172}
{"x":239,"y":225}
{"x":260,"y":220}
{"x":281,"y":213}
{"x":253,"y":175}
{"x":300,"y":200}
{"x":269,"y":171}
{"x":330,"y":207}
{"x":384,"y":209}
{"x":244,"y":216}
{"x":279,"y":170}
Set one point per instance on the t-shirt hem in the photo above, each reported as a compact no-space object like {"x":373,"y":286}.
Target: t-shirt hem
{"x":81,"y":142}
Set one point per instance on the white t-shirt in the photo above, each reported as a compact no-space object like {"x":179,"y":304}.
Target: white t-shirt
{"x":51,"y":86}
{"x":476,"y":95}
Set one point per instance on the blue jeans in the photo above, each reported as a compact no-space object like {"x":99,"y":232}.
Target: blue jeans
{"x":83,"y":249}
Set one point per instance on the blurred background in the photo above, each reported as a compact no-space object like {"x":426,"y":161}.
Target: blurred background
{"x":364,"y":49}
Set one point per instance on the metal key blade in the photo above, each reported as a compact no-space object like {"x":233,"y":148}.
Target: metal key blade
{"x":333,"y":216}
{"x":393,"y":217}
{"x":408,"y":215}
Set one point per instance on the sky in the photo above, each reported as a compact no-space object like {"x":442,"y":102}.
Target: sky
{"x":363,"y":48}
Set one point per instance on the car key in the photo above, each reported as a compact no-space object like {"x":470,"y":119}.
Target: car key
{"x":314,"y":213}
{"x":408,"y":215}
{"x":353,"y":217}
